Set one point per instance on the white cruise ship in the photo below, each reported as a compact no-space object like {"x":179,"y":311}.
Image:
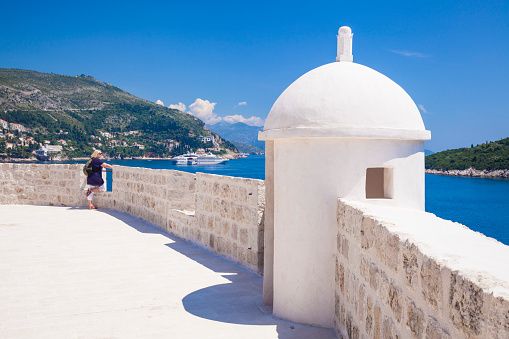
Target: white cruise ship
{"x":195,"y":159}
{"x":209,"y":159}
{"x":185,"y":159}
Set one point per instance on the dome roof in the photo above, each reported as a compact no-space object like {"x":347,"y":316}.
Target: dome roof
{"x":344,"y":99}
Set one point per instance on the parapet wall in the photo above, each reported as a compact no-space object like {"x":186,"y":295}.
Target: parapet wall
{"x":229,"y":212}
{"x":222,"y":213}
{"x":34,"y":184}
{"x":150,"y":193}
{"x":409,"y":274}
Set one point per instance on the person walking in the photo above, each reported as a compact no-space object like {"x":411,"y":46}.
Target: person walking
{"x":95,"y":181}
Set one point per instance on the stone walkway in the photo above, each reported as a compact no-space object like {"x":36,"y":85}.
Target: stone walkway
{"x":74,"y":273}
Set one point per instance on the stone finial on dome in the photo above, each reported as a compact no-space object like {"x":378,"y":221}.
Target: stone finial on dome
{"x":345,"y":37}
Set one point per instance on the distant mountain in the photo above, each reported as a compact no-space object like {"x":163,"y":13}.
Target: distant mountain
{"x":243,"y":136}
{"x":428,"y":152}
{"x":489,"y":156}
{"x":81,"y":112}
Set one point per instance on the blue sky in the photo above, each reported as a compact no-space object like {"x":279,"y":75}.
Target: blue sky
{"x":451,"y":56}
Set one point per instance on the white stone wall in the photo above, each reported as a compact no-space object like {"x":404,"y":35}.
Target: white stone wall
{"x":224,"y":214}
{"x":34,"y":184}
{"x":150,"y":193}
{"x":396,"y":278}
{"x":229,"y":212}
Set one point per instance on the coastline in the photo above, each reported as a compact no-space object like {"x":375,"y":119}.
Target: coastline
{"x":472,"y":172}
{"x":228,"y":156}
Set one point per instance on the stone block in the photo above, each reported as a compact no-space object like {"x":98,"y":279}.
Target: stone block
{"x":351,"y":328}
{"x":254,"y":240}
{"x":386,"y":244}
{"x":415,"y":319}
{"x":377,"y":329}
{"x":364,"y":268}
{"x":252,"y":258}
{"x":435,"y":331}
{"x":465,"y":305}
{"x":351,"y":287}
{"x":352,"y":222}
{"x":209,"y":222}
{"x":395,"y":300}
{"x":221,"y":227}
{"x":243,"y":236}
{"x":234,"y":231}
{"x":242,"y":256}
{"x":342,"y":314}
{"x":211,"y":241}
{"x":216,"y":188}
{"x":368,"y":325}
{"x":410,"y":264}
{"x":341,"y":278}
{"x":225,"y":191}
{"x":496,"y":314}
{"x":344,"y":247}
{"x":368,"y":236}
{"x":431,"y":283}
{"x":361,"y":302}
{"x":389,"y":329}
{"x":336,"y":310}
{"x":374,"y":276}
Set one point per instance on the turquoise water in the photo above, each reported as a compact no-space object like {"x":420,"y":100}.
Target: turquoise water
{"x":481,"y":204}
{"x":250,"y":167}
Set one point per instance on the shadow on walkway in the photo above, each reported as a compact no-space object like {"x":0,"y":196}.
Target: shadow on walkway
{"x":237,"y":302}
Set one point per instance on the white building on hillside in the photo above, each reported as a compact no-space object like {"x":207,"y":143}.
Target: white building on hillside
{"x":342,"y":130}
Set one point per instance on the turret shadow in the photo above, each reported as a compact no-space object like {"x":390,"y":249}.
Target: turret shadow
{"x":239,"y":301}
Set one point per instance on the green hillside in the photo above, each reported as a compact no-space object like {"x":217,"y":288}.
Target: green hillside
{"x":81,"y":112}
{"x":488,"y":156}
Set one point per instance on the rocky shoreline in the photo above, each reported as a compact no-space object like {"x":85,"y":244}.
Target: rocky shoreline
{"x":472,"y":172}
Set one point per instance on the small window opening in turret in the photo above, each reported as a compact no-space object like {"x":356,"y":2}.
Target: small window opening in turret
{"x":379,"y":183}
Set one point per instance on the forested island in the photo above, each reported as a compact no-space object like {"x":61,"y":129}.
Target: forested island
{"x":490,"y":159}
{"x":76,"y":114}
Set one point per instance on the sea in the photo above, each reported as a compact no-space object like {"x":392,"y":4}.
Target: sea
{"x":478,"y":203}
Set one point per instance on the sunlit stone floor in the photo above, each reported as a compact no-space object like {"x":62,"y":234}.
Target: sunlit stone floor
{"x":74,"y":273}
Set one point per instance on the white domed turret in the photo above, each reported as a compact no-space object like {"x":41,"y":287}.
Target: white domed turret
{"x":345,"y":99}
{"x":342,"y":130}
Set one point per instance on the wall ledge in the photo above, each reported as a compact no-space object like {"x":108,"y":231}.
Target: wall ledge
{"x":477,"y":257}
{"x":407,"y":273}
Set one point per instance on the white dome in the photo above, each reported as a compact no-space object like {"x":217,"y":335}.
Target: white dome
{"x":344,"y":99}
